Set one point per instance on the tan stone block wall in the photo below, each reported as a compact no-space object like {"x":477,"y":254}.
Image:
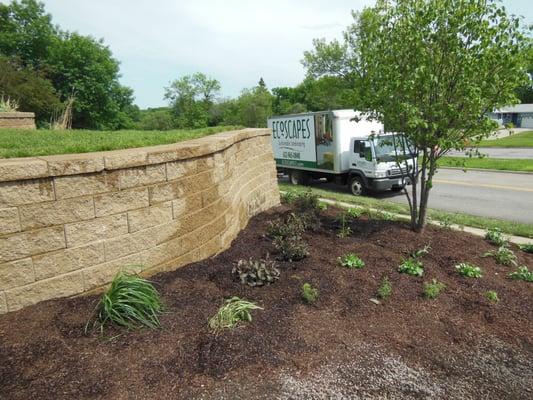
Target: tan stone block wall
{"x":17,"y":120}
{"x":69,"y":223}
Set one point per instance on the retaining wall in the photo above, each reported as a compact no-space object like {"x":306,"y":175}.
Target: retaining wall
{"x":69,"y":223}
{"x":18,"y":120}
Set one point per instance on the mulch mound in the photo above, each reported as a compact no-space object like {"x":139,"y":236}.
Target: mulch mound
{"x":44,"y":353}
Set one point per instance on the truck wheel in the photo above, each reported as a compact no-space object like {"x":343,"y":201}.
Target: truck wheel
{"x":357,"y":186}
{"x":298,"y":177}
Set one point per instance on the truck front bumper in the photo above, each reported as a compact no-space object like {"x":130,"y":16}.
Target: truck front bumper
{"x":388,"y":183}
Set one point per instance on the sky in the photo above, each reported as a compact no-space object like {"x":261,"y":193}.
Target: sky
{"x":234,"y":41}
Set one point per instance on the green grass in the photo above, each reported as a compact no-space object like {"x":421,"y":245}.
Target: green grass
{"x":504,"y":164}
{"x":524,"y":139}
{"x":508,"y":227}
{"x":28,"y":143}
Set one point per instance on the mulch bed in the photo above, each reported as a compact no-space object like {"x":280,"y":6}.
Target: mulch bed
{"x":44,"y":353}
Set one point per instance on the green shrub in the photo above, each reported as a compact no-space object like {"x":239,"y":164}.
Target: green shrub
{"x":287,"y":197}
{"x":385,"y":289}
{"x":468,"y":270}
{"x":256,"y":272}
{"x":130,"y":302}
{"x":492,"y":296}
{"x":528,"y":248}
{"x":293,"y":226}
{"x":309,"y":293}
{"x":495,"y":236}
{"x":411,"y":266}
{"x":307,"y":202}
{"x":432,"y":289}
{"x":522,"y":274}
{"x":503,"y":256}
{"x":233,"y":311}
{"x":344,"y":230}
{"x":291,"y":248}
{"x":351,"y":261}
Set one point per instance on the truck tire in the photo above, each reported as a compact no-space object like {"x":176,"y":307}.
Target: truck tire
{"x":357,"y":186}
{"x":298,"y":177}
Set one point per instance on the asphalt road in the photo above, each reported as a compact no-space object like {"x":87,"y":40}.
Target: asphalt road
{"x":499,"y":152}
{"x":502,"y":195}
{"x":489,"y":194}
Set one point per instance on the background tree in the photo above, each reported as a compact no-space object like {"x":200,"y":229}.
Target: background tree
{"x":191,"y":98}
{"x":525,"y":92}
{"x":433,"y":69}
{"x":29,"y":88}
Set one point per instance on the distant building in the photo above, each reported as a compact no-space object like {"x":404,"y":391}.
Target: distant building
{"x":521,"y":115}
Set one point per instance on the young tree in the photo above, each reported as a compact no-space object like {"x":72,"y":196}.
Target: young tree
{"x":434,"y":69}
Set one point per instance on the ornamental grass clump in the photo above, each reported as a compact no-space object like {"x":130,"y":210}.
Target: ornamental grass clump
{"x":385,"y":289}
{"x":432,"y":289}
{"x":351,"y":261}
{"x":231,"y":313}
{"x":309,"y":293}
{"x":130,"y":302}
{"x":492,"y":296}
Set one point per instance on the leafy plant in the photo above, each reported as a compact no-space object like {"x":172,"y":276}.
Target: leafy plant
{"x":432,"y":289}
{"x":411,"y":266}
{"x":8,"y":105}
{"x":385,"y":289}
{"x":233,"y":311}
{"x":256,"y":272}
{"x":503,"y":255}
{"x":345,"y":229}
{"x":492,"y":296}
{"x":495,"y":236}
{"x":309,"y":293}
{"x":522,"y":274}
{"x":130,"y":302}
{"x":354,"y":213}
{"x":351,"y":261}
{"x":293,"y":226}
{"x":307,"y":202}
{"x":291,"y":248}
{"x":468,"y":270}
{"x":445,"y":222}
{"x":528,"y":248}
{"x":421,"y":252}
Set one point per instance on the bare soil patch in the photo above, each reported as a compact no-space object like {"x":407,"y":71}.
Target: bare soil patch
{"x":343,"y":346}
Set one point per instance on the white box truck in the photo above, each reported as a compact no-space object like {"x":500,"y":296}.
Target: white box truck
{"x":342,"y":146}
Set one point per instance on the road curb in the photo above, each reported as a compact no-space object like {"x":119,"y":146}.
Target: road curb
{"x":488,"y":170}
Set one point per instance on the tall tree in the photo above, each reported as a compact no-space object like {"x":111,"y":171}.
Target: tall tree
{"x":433,"y":69}
{"x":191,"y":98}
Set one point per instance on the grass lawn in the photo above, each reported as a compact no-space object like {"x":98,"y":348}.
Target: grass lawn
{"x":524,"y":139}
{"x":509,"y":227}
{"x":504,"y":164}
{"x":27,"y":143}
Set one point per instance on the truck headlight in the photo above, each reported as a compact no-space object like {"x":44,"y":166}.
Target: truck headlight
{"x":381,"y":174}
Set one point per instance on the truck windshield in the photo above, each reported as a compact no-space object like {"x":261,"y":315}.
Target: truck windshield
{"x":388,"y":147}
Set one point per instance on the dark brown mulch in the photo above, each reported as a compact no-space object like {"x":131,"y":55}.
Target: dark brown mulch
{"x":44,"y":353}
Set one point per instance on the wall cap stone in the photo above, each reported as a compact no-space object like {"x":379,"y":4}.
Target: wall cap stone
{"x":17,"y":114}
{"x":12,"y":169}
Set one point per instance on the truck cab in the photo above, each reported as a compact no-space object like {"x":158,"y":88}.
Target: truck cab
{"x":374,"y":163}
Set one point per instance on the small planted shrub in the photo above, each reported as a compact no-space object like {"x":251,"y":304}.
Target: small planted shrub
{"x":528,"y":248}
{"x":495,"y":236}
{"x":287,"y":197}
{"x":503,"y":256}
{"x":307,"y":202}
{"x":293,"y":226}
{"x":309,"y":293}
{"x":492,"y":296}
{"x":421,"y":252}
{"x":231,"y":313}
{"x":432,"y":289}
{"x":385,"y":289}
{"x":130,"y":302}
{"x":411,"y":266}
{"x":522,"y":274}
{"x":468,"y":270}
{"x":351,"y":261}
{"x":291,"y":248}
{"x":256,"y":272}
{"x":344,"y":230}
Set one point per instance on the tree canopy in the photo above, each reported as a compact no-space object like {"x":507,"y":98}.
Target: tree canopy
{"x":432,"y":69}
